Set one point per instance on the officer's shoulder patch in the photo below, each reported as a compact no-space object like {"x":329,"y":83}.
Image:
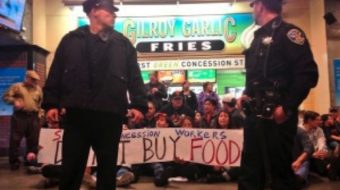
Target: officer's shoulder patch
{"x":296,"y":36}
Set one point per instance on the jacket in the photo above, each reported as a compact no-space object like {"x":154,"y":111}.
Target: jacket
{"x":71,"y":84}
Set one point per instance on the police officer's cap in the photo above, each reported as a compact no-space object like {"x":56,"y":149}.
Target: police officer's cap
{"x":273,"y":5}
{"x":88,"y":5}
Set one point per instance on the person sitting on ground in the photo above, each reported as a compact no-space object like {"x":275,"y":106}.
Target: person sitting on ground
{"x":180,"y":169}
{"x":187,"y":122}
{"x":209,"y":115}
{"x":159,"y":171}
{"x":332,"y":134}
{"x":236,"y":115}
{"x":149,"y":120}
{"x":302,"y":152}
{"x":221,"y":173}
{"x":198,"y":120}
{"x":176,"y":109}
{"x":321,"y":161}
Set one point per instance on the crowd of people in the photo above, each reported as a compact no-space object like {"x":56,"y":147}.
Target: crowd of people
{"x":183,"y":109}
{"x":316,"y":144}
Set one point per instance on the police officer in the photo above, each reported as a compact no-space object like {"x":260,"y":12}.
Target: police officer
{"x":93,"y":69}
{"x":280,"y":71}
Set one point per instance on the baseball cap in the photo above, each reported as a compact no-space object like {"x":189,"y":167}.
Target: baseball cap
{"x":88,"y":5}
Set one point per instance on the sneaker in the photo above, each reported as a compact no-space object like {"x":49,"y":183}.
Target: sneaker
{"x":226,"y":176}
{"x":300,"y":182}
{"x":215,"y":178}
{"x":33,"y":170}
{"x":178,"y":179}
{"x":162,"y":179}
{"x":15,"y":166}
{"x":202,"y":180}
{"x":90,"y":180}
{"x":47,"y":183}
{"x":125,"y":180}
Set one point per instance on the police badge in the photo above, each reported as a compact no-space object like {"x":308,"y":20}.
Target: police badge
{"x":296,"y":36}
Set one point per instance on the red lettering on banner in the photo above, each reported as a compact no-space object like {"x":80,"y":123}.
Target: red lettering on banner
{"x":230,"y":150}
{"x":194,"y":147}
{"x":58,"y":135}
{"x":213,"y":152}
{"x":226,"y":153}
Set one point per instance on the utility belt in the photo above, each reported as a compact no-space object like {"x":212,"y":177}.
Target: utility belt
{"x":267,"y":96}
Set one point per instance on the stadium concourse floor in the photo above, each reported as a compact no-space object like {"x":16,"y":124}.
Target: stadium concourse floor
{"x":19,"y":180}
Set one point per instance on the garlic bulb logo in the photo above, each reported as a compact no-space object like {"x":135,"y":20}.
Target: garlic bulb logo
{"x":247,"y":36}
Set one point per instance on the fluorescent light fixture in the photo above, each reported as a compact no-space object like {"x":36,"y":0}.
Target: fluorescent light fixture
{"x":145,"y":2}
{"x":168,"y":10}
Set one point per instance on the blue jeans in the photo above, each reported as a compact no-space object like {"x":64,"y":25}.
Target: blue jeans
{"x":303,"y":171}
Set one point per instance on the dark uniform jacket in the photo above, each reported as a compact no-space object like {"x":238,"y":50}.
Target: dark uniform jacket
{"x":95,"y":75}
{"x":289,"y":62}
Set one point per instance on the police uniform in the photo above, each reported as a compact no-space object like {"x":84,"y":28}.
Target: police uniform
{"x":279,"y":58}
{"x":90,"y":77}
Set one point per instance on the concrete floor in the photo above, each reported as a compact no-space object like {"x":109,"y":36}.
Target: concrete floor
{"x":18,"y":180}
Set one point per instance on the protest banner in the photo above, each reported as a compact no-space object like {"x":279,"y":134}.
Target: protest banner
{"x":205,"y":146}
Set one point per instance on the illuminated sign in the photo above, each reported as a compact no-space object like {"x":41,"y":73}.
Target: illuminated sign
{"x":186,"y":46}
{"x":193,"y":64}
{"x":185,"y":33}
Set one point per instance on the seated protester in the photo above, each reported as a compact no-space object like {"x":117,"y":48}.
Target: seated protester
{"x":149,"y":120}
{"x":176,"y":109}
{"x":222,"y":120}
{"x":187,"y":122}
{"x":302,"y":152}
{"x":34,"y":167}
{"x":219,"y":173}
{"x":321,"y":162}
{"x":160,"y":171}
{"x":51,"y":173}
{"x":337,"y":121}
{"x":209,"y":115}
{"x":181,"y":169}
{"x":125,"y":175}
{"x":163,"y":121}
{"x":332,"y":134}
{"x":198,"y":120}
{"x":301,"y":115}
{"x":236,"y":115}
{"x":333,"y":112}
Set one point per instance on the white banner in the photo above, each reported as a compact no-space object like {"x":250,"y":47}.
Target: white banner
{"x":206,"y":146}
